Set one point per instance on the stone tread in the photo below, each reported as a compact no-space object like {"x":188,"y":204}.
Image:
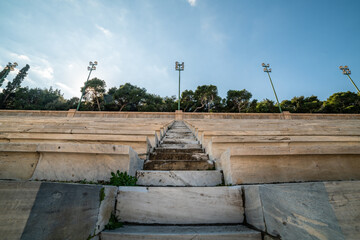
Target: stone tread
{"x":178,"y":156}
{"x":179,"y":165}
{"x":179,"y":178}
{"x":222,"y":232}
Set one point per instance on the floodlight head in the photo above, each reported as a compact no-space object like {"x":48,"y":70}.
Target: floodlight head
{"x":182,"y":65}
{"x":341,"y":68}
{"x":263,"y":65}
{"x":95,"y":63}
{"x":89,"y":68}
{"x":349,"y":72}
{"x":269,"y":70}
{"x":93,"y":68}
{"x":265,"y":69}
{"x":90,"y":63}
{"x":15,"y":64}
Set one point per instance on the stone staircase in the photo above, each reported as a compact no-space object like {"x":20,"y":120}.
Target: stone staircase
{"x":179,"y":196}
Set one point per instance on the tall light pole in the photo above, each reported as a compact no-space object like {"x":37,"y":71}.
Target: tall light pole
{"x":91,"y":67}
{"x":179,"y":67}
{"x":8,"y":68}
{"x":267,"y":69}
{"x":346,"y":71}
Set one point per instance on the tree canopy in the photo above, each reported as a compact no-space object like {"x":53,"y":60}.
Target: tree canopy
{"x":128,"y":97}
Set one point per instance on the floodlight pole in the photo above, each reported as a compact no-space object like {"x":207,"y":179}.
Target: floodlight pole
{"x":179,"y":67}
{"x":268,"y":70}
{"x":346,"y":71}
{"x":91,"y":67}
{"x":354,"y":84}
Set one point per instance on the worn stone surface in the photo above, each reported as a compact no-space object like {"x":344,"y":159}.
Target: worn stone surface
{"x":34,"y":210}
{"x":16,"y":201}
{"x":130,"y":232}
{"x":65,"y":164}
{"x":18,"y":165}
{"x":318,"y":210}
{"x":177,"y":165}
{"x":107,"y":206}
{"x":253,"y":207}
{"x":178,"y":150}
{"x":344,"y":198}
{"x":179,"y":178}
{"x":180,"y":205}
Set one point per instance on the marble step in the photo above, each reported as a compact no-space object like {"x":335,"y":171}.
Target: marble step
{"x":179,"y":178}
{"x":218,"y":232}
{"x":178,"y":156}
{"x":181,"y":146}
{"x":180,"y":165}
{"x":180,"y":205}
{"x":179,"y":135}
{"x":178,"y":150}
{"x":179,"y":141}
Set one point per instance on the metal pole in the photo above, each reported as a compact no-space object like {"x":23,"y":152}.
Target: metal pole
{"x":179,"y":90}
{"x":274,"y":93}
{"x":354,"y":84}
{"x":83,"y":92}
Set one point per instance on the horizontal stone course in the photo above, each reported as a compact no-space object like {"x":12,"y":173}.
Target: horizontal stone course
{"x":130,"y":232}
{"x":65,"y":161}
{"x":179,"y":178}
{"x":180,"y":205}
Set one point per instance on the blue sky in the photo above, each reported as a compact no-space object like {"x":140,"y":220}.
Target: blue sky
{"x":222,"y":42}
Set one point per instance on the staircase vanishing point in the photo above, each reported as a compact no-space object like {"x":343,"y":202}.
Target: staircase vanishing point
{"x":180,"y":197}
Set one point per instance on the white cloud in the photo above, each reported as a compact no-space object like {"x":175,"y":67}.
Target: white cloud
{"x":20,"y":57}
{"x":66,"y":89}
{"x":104,"y":30}
{"x":192,"y":2}
{"x":43,"y":72}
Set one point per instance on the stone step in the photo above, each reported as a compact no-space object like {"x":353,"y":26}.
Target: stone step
{"x":179,"y":141}
{"x":179,"y":135}
{"x":181,"y":146}
{"x":178,"y":156}
{"x":179,"y":178}
{"x":180,"y":165}
{"x":180,"y":205}
{"x":218,"y":232}
{"x":178,"y":150}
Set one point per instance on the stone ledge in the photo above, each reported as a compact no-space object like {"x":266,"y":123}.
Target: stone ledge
{"x":317,"y":210}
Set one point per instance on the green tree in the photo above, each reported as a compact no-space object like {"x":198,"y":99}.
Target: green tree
{"x":302,"y":104}
{"x":129,"y":97}
{"x":14,"y":85}
{"x":169,"y":104}
{"x":207,"y":99}
{"x":187,"y":101}
{"x":238,"y":101}
{"x":342,"y":102}
{"x":94,"y":91}
{"x":3,"y":75}
{"x":266,"y":106}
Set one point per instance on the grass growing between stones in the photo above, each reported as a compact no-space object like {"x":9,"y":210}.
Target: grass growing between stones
{"x":113,"y":223}
{"x":102,"y":194}
{"x":122,"y":179}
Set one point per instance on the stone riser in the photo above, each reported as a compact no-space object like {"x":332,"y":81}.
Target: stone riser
{"x":179,"y":156}
{"x":182,"y":232}
{"x":179,"y":178}
{"x":180,"y":205}
{"x":178,"y":165}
